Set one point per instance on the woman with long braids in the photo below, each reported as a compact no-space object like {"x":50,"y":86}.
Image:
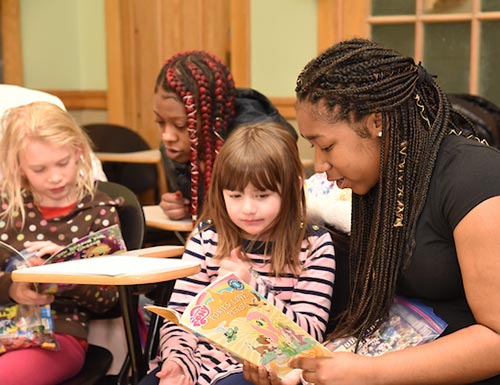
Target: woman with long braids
{"x":196,"y":106}
{"x":425,"y":215}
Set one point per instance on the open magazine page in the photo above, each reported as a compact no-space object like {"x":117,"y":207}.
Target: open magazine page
{"x":103,"y":242}
{"x":106,"y":241}
{"x":410,"y":323}
{"x":231,"y":315}
{"x":16,"y":259}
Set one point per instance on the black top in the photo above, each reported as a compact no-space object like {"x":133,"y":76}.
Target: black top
{"x":466,"y":173}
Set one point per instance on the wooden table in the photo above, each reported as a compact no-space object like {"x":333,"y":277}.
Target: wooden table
{"x":146,"y":156}
{"x":165,"y":251}
{"x":124,"y":270}
{"x":155,"y":217}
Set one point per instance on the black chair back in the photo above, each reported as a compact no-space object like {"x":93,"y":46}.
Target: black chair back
{"x":107,"y":137}
{"x":98,"y":359}
{"x":132,"y":222}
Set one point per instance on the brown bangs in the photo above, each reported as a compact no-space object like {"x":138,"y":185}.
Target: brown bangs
{"x":256,"y":166}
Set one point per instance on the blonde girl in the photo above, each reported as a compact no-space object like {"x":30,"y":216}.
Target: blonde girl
{"x":44,"y":122}
{"x":48,"y":199}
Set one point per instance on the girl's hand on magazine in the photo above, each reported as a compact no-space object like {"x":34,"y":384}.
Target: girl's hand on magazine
{"x":235,"y":264}
{"x":259,"y":375}
{"x":22,"y":293}
{"x":41,"y":248}
{"x":341,"y":369}
{"x":172,"y":373}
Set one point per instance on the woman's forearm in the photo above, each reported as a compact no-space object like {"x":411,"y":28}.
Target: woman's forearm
{"x":462,"y":357}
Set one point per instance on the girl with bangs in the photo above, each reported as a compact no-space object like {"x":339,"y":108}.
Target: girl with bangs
{"x":253,"y":224}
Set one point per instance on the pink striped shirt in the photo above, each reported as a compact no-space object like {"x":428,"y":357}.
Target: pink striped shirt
{"x":306,"y":299}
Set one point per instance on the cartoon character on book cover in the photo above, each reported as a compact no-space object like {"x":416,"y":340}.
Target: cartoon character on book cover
{"x":235,"y":317}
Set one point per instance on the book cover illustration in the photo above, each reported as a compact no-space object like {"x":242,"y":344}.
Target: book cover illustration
{"x":410,"y":323}
{"x":236,"y":318}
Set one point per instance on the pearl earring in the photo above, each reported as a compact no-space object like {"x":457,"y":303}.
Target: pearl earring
{"x":379,"y":134}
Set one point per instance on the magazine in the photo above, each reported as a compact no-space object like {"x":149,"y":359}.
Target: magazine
{"x":108,"y":240}
{"x":236,"y":318}
{"x":410,"y":323}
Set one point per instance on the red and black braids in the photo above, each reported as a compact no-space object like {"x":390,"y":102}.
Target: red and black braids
{"x":206,"y":87}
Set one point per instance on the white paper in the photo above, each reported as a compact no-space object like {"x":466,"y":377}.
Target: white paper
{"x":113,"y":266}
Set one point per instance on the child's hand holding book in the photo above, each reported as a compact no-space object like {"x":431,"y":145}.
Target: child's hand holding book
{"x":237,"y":319}
{"x":236,"y":264}
{"x":37,"y":252}
{"x":259,"y":375}
{"x":24,"y":293}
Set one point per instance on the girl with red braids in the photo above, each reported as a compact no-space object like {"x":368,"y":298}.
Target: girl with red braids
{"x":253,"y":224}
{"x":196,"y":106}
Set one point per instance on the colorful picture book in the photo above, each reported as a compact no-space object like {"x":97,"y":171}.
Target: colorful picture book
{"x":233,"y":316}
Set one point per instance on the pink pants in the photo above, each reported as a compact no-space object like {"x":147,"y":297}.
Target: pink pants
{"x":43,"y":367}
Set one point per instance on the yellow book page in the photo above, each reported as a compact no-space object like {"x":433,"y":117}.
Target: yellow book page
{"x":232,"y":315}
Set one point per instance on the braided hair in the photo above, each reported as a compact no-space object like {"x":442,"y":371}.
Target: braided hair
{"x":359,"y":77}
{"x":206,"y":88}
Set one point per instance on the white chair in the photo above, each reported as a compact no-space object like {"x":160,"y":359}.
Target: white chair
{"x":15,"y":96}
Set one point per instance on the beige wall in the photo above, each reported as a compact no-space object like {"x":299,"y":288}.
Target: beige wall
{"x":283,"y":38}
{"x":63,"y":44}
{"x":64,"y":47}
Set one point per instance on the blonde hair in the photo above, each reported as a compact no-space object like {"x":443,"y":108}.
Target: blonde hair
{"x":264,"y":154}
{"x":38,"y":121}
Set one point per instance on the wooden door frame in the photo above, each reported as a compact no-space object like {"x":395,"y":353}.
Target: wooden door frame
{"x":114,"y":63}
{"x":11,"y":42}
{"x":331,"y":16}
{"x":239,"y":22}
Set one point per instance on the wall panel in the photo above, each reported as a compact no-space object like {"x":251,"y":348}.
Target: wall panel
{"x":140,"y":36}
